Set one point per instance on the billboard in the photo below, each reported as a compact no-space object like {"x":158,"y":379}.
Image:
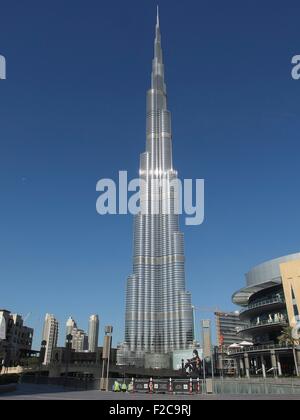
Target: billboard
{"x":178,"y":355}
{"x":2,"y":327}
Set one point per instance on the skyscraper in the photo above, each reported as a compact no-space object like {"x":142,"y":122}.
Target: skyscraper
{"x":93,"y":332}
{"x":50,"y":335}
{"x":71,"y":324}
{"x":79,"y":340}
{"x":159,"y":316}
{"x":79,"y":337}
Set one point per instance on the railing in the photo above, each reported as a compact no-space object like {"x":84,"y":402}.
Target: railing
{"x":225,"y":386}
{"x":264,"y":303}
{"x":268,"y":347}
{"x":261,"y":324}
{"x":258,"y":386}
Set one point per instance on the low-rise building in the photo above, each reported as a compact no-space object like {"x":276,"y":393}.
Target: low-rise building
{"x":60,"y":356}
{"x":15,"y":340}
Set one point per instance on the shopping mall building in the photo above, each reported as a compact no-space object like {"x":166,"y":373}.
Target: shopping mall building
{"x":270,"y":302}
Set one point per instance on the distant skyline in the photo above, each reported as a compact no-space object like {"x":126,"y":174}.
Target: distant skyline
{"x":73,"y":111}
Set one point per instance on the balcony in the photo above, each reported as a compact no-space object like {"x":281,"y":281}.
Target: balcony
{"x":260,"y":349}
{"x":256,"y":307}
{"x":265,"y":324}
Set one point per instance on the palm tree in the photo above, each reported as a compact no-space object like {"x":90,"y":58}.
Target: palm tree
{"x":287,"y":338}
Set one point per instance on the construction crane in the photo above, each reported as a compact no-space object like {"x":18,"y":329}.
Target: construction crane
{"x":205,"y":309}
{"x":27,"y":316}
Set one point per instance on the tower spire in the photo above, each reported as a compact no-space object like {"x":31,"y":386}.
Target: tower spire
{"x":157,"y":65}
{"x":157,"y":29}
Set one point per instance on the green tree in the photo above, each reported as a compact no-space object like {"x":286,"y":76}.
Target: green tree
{"x":287,"y":338}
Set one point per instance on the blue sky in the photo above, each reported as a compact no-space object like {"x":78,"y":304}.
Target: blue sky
{"x":72,"y":111}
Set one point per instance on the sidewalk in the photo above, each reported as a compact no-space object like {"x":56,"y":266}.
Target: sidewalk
{"x":47,"y":392}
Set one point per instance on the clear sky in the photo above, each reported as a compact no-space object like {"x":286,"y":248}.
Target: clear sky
{"x":72,"y":111}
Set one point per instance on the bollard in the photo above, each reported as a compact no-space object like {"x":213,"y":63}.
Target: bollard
{"x":191,"y":386}
{"x":170,"y":386}
{"x":151,"y":386}
{"x":198,"y":386}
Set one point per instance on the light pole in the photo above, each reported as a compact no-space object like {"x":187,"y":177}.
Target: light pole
{"x":207,"y":353}
{"x":108,"y":331}
{"x":106,"y":357}
{"x":68,"y":355}
{"x":42,"y":355}
{"x":194,"y":319}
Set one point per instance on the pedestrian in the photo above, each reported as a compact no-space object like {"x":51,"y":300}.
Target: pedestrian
{"x":116,"y":386}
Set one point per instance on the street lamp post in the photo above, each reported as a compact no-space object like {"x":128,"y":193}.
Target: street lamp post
{"x":207,"y":354}
{"x":68,"y":354}
{"x":106,"y":357}
{"x":42,"y":355}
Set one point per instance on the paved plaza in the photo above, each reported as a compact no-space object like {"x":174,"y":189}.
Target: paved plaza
{"x":46,"y":392}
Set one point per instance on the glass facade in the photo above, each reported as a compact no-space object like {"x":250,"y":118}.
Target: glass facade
{"x":159,"y":316}
{"x":228,"y":324}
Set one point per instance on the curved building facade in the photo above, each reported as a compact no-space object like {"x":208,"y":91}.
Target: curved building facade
{"x":270,"y":303}
{"x":270,"y":299}
{"x":262,"y":277}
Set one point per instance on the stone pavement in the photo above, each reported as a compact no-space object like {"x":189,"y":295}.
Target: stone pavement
{"x":46,"y":392}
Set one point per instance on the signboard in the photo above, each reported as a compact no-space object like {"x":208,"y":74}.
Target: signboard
{"x":2,"y":327}
{"x":178,"y":355}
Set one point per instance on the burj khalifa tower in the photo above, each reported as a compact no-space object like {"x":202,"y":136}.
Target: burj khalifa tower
{"x":159,"y":315}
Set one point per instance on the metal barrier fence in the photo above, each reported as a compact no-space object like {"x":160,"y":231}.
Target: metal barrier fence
{"x":164,"y":386}
{"x":257,"y":387}
{"x":180,"y":386}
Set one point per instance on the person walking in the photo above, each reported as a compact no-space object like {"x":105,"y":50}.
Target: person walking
{"x":117,"y":387}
